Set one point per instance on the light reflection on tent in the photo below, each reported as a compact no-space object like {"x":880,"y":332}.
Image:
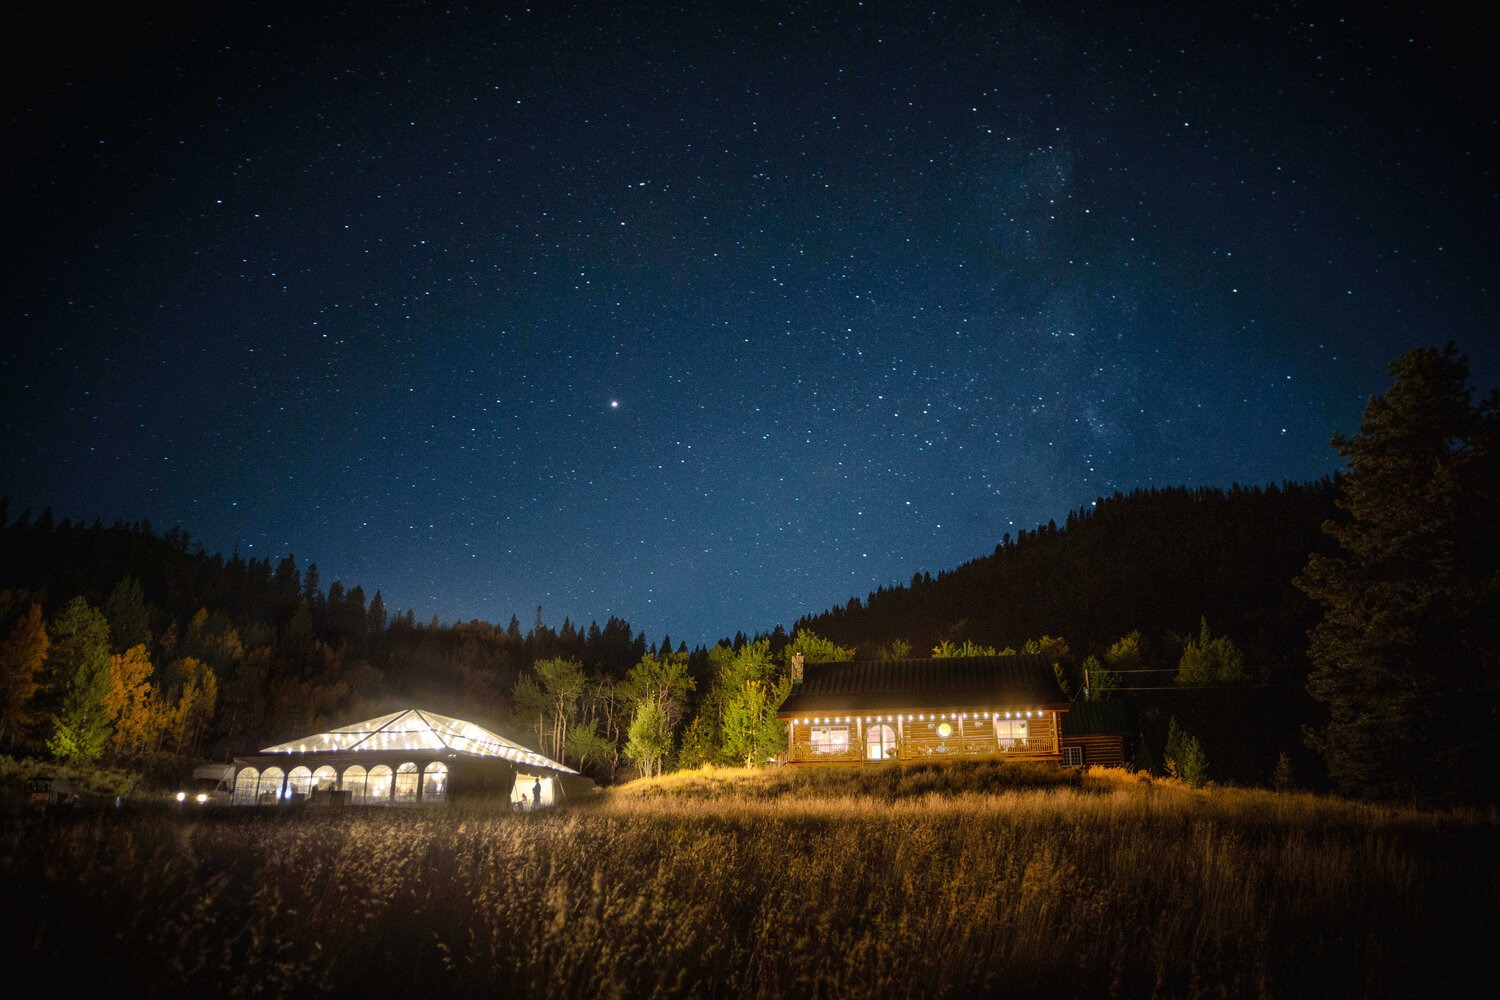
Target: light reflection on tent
{"x":407,"y":757}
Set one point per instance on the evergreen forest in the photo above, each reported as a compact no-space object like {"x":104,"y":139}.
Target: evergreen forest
{"x":289,"y":655}
{"x":1338,"y":633}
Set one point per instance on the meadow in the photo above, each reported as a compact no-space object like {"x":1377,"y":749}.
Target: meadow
{"x":979,"y":879}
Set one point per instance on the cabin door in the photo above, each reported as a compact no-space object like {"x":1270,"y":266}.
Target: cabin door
{"x":880,"y":742}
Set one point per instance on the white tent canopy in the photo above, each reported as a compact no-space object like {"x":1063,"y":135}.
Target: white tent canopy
{"x":415,"y":729}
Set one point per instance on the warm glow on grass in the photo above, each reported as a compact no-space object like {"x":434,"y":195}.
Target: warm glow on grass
{"x":816,"y":881}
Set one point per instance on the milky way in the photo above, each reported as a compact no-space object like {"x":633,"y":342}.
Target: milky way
{"x":714,"y":315}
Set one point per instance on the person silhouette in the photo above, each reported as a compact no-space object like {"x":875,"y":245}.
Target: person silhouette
{"x":536,"y":794}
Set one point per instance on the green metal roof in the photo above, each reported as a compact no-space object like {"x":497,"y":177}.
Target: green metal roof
{"x":1093,"y":718}
{"x":978,"y":682}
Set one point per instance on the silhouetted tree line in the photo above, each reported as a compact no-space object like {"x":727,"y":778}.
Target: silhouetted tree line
{"x":292,"y":656}
{"x":1128,"y":589}
{"x":1154,"y":561}
{"x":119,"y":643}
{"x":1197,"y":605}
{"x":1361,"y":613}
{"x":289,"y":655}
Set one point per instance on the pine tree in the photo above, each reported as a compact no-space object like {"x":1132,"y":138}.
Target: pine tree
{"x":1405,"y":656}
{"x":82,"y":727}
{"x":752,"y":733}
{"x":21,"y":657}
{"x":129,"y":621}
{"x":1184,"y":758}
{"x":377,"y":615}
{"x":1210,"y":660}
{"x":79,"y":651}
{"x":650,"y":738}
{"x":697,"y":745}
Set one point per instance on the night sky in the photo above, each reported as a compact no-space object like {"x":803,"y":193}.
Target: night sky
{"x":708,"y":316}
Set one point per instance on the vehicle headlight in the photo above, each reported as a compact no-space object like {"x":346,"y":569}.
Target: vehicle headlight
{"x":202,"y":797}
{"x":182,"y":796}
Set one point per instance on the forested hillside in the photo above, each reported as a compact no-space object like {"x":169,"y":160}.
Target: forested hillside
{"x":1161,"y":595}
{"x":1157,"y":562}
{"x":285,"y":655}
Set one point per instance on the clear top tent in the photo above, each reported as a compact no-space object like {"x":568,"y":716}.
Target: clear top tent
{"x":407,"y":757}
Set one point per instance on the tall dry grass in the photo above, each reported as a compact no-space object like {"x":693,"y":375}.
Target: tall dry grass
{"x":903,"y":882}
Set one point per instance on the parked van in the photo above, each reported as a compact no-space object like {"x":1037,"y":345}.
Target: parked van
{"x":212,"y":785}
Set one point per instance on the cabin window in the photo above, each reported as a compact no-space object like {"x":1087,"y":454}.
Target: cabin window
{"x":1072,"y":756}
{"x":1010,"y":731}
{"x":830,"y":739}
{"x":880,"y":742}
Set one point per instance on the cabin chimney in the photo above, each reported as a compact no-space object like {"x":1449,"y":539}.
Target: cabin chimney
{"x":797,"y":668}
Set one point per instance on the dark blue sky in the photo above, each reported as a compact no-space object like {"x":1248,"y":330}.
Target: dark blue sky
{"x":707,"y":316}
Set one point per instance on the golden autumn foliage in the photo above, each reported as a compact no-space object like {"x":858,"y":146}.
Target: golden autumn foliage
{"x":22,"y":655}
{"x":146,"y":719}
{"x":195,"y":709}
{"x":134,"y":703}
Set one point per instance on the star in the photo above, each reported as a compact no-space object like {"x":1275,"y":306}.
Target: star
{"x":847,"y":298}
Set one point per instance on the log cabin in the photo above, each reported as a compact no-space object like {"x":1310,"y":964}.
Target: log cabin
{"x":865,"y":711}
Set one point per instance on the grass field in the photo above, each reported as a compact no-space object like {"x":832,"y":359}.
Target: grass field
{"x":966,"y":880}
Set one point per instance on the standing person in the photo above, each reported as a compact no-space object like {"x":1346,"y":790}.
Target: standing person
{"x":536,"y":794}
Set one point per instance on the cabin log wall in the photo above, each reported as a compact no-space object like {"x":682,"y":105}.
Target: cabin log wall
{"x":1101,"y":750}
{"x":920,"y":738}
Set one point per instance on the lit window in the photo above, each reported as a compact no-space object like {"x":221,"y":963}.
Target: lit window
{"x":299,"y":781}
{"x":270,"y":784}
{"x":245,"y":784}
{"x":830,"y":739}
{"x":378,"y":784}
{"x":354,"y":783}
{"x":880,"y":743}
{"x":1010,"y":732}
{"x":407,"y":777}
{"x":435,"y":782}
